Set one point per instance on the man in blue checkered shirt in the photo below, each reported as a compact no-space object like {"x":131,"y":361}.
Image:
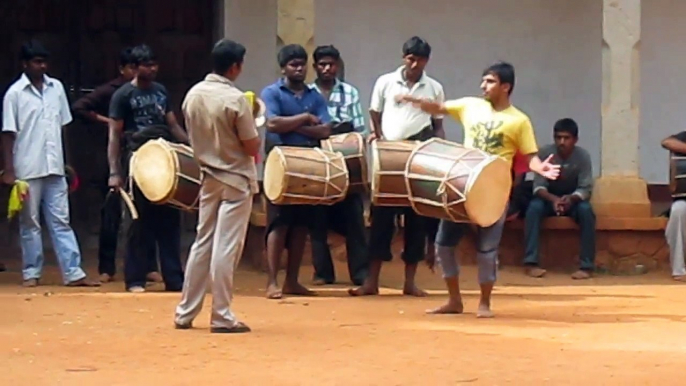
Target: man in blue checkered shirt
{"x":346,"y":217}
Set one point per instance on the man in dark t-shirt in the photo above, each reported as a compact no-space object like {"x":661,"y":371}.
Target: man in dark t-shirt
{"x":676,"y":226}
{"x":93,"y":109}
{"x":140,"y":111}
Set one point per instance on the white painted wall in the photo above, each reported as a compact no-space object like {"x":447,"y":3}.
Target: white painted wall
{"x":663,"y":61}
{"x":553,"y":44}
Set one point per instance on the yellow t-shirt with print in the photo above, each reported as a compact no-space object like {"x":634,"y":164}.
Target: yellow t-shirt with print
{"x":500,"y":133}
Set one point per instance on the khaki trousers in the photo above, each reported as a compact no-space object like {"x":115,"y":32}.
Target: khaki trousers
{"x":223,"y":220}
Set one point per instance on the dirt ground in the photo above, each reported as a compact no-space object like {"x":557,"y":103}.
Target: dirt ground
{"x":605,"y":331}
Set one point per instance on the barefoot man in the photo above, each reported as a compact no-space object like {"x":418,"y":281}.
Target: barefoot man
{"x":392,"y":121}
{"x":494,"y":125}
{"x":297,"y":115}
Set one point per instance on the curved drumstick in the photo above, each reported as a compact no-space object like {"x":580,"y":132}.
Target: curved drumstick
{"x":129,"y":203}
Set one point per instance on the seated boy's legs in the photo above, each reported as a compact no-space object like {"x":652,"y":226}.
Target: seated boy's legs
{"x":583,"y":215}
{"x":415,"y":235}
{"x":380,"y":239}
{"x":538,"y":210}
{"x":447,"y":239}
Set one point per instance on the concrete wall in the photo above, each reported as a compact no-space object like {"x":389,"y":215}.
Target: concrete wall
{"x":662,"y":83}
{"x":555,"y":46}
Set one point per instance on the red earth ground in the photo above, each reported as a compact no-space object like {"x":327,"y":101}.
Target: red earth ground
{"x":604,"y":331}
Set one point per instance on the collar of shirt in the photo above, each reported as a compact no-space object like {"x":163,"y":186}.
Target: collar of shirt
{"x":24,"y":81}
{"x":218,"y":78}
{"x":400,"y":77}
{"x":282,"y":86}
{"x":337,"y":83}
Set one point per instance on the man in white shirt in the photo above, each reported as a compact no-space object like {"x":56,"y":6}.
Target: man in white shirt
{"x":393,"y":121}
{"x":35,"y":109}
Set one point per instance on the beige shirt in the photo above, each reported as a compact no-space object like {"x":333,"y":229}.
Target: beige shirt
{"x":218,"y":117}
{"x":403,"y":120}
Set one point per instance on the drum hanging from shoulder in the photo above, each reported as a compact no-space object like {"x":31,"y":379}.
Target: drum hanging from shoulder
{"x":167,"y":174}
{"x":305,"y":176}
{"x":389,"y":160}
{"x":352,"y":147}
{"x":677,"y":175}
{"x":449,"y":181}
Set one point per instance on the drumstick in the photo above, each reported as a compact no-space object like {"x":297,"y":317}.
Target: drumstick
{"x":129,"y":203}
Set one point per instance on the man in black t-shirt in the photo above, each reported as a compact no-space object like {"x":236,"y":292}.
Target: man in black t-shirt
{"x":140,"y":111}
{"x":676,"y":226}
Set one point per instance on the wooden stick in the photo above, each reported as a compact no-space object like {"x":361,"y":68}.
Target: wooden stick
{"x":129,"y":203}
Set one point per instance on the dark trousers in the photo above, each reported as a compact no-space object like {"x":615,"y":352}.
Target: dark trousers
{"x":157,"y":227}
{"x":582,"y":213}
{"x":383,"y":230}
{"x":110,"y":221}
{"x":431,"y":227}
{"x":347,"y":219}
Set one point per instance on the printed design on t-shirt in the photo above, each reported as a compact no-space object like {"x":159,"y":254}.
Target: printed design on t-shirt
{"x":148,"y":109}
{"x":486,"y":136}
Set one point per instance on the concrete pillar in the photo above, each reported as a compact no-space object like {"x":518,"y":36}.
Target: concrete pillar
{"x":295,"y":25}
{"x":620,"y":192}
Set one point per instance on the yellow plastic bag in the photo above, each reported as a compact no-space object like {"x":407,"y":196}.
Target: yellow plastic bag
{"x":19,"y":192}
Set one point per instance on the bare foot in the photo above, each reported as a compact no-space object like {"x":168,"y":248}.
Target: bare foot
{"x":413,"y":290}
{"x":364,"y":290}
{"x":105,"y":278}
{"x":484,"y":311}
{"x":154,"y":277}
{"x":85,"y":282}
{"x":536,"y":272}
{"x":580,"y":275}
{"x":297,"y":289}
{"x":320,"y":282}
{"x":273,"y":292}
{"x":679,"y":278}
{"x":448,"y":308}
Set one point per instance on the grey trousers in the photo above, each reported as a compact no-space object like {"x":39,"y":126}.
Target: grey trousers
{"x":223,"y":220}
{"x":676,"y":227}
{"x":488,"y":241}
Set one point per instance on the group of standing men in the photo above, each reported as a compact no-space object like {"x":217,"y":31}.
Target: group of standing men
{"x":406,"y":104}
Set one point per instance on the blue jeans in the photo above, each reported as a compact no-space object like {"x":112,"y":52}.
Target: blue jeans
{"x":48,"y":195}
{"x":582,"y":213}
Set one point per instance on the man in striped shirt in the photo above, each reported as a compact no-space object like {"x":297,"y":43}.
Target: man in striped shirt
{"x":346,"y":217}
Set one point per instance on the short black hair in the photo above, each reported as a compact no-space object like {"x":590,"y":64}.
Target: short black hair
{"x":33,"y":49}
{"x":505,"y":73}
{"x":329,"y":51}
{"x":291,"y":52}
{"x":417,"y":46}
{"x":142,"y":54}
{"x":566,"y":125}
{"x":125,"y":57}
{"x":225,"y":54}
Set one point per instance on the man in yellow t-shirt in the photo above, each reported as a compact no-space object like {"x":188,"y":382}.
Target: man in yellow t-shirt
{"x":494,"y":125}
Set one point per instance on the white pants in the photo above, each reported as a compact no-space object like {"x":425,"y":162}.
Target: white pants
{"x":676,"y":227}
{"x":223,"y":220}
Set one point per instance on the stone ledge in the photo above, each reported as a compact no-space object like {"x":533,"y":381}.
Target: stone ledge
{"x":602,"y":223}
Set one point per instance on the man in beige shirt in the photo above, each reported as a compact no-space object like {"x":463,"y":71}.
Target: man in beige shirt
{"x":224,"y":140}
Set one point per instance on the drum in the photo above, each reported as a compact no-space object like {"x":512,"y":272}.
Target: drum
{"x":167,"y":174}
{"x":305,"y":176}
{"x":351,"y":146}
{"x":449,"y":181}
{"x":389,"y":159}
{"x":677,"y":175}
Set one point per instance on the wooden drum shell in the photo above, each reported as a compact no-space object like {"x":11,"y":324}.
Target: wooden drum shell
{"x":167,"y":174}
{"x":448,"y":181}
{"x":352,"y":147}
{"x":389,"y":161}
{"x":305,"y":176}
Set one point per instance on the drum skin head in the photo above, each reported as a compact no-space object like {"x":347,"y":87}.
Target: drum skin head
{"x":154,"y":170}
{"x":274,"y":174}
{"x":489,"y":193}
